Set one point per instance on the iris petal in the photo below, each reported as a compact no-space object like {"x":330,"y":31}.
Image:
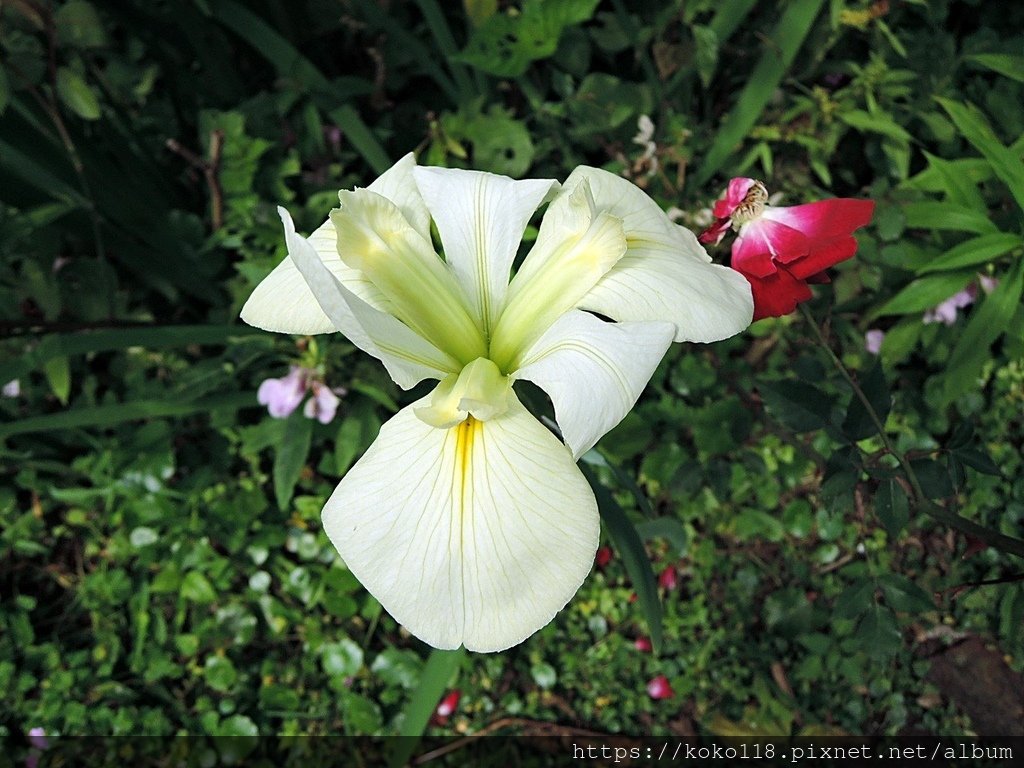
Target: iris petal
{"x":475,"y":535}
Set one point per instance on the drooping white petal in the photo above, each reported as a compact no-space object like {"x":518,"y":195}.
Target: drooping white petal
{"x":475,"y":535}
{"x":408,"y":357}
{"x":665,"y":274}
{"x":283,"y":303}
{"x":594,"y":371}
{"x":481,"y":218}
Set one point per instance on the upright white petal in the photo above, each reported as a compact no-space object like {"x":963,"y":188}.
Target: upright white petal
{"x":576,"y":245}
{"x":481,"y":218}
{"x":475,"y":535}
{"x":283,"y":303}
{"x":398,"y":185}
{"x":594,"y":372}
{"x":665,"y":273}
{"x":408,"y":357}
{"x":642,"y":218}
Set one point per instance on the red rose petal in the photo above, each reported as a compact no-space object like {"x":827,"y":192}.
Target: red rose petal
{"x":824,"y":219}
{"x":659,"y":688}
{"x":776,"y":295}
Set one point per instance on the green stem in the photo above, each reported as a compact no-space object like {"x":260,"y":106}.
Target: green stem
{"x":921,"y":501}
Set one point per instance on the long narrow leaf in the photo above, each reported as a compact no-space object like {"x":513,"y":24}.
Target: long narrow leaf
{"x":987,"y":323}
{"x":109,"y":415}
{"x":291,"y":456}
{"x":157,"y":337}
{"x":977,"y":250}
{"x":779,"y":53}
{"x":974,"y":127}
{"x":434,"y":680}
{"x":362,"y":138}
{"x":629,"y":545}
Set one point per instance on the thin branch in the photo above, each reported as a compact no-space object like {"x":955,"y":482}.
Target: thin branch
{"x":993,"y":538}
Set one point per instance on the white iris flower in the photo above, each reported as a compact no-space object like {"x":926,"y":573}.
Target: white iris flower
{"x":468,"y":519}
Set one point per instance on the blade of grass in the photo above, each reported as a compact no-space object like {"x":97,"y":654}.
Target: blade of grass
{"x":67,"y":344}
{"x":109,"y":415}
{"x":424,"y":56}
{"x":436,"y":673}
{"x":629,"y":545}
{"x":729,"y":15}
{"x":446,"y":43}
{"x":974,"y":127}
{"x":362,"y":138}
{"x":779,"y":53}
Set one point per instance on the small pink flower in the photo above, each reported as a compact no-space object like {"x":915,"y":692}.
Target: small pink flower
{"x":282,"y":396}
{"x":946,"y":311}
{"x":988,"y":284}
{"x":873,"y":340}
{"x":322,"y":405}
{"x":603,"y":557}
{"x":11,"y":388}
{"x":782,"y":249}
{"x":448,"y":704}
{"x":37,"y":738}
{"x":659,"y":688}
{"x":668,"y":578}
{"x":643,"y":644}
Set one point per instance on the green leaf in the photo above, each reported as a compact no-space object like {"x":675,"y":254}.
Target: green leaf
{"x":341,"y":659}
{"x":355,"y":434}
{"x":220,"y":673}
{"x":934,"y":478}
{"x":924,"y":293}
{"x":892,"y":507}
{"x":77,"y":95}
{"x":780,"y":50}
{"x":1003,"y":63}
{"x":79,"y":26}
{"x":291,"y":457}
{"x":628,"y":544}
{"x":904,"y":595}
{"x":877,"y":123}
{"x":58,"y":375}
{"x":974,"y":127}
{"x":800,"y":406}
{"x":858,"y":424}
{"x":5,"y":90}
{"x":977,"y":250}
{"x":855,"y":600}
{"x":668,"y":528}
{"x":362,"y":138}
{"x":932,"y":215}
{"x":987,"y":323}
{"x":196,"y":588}
{"x":437,"y":674}
{"x":878,"y":634}
{"x":108,"y":415}
{"x":506,"y":43}
{"x":978,"y":460}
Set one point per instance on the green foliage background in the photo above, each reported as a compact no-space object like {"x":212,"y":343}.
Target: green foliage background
{"x":162,"y":567}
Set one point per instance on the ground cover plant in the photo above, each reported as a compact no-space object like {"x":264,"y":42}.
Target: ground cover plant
{"x":812,"y":527}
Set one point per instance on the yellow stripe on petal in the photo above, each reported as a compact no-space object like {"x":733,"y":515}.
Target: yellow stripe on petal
{"x":475,"y":535}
